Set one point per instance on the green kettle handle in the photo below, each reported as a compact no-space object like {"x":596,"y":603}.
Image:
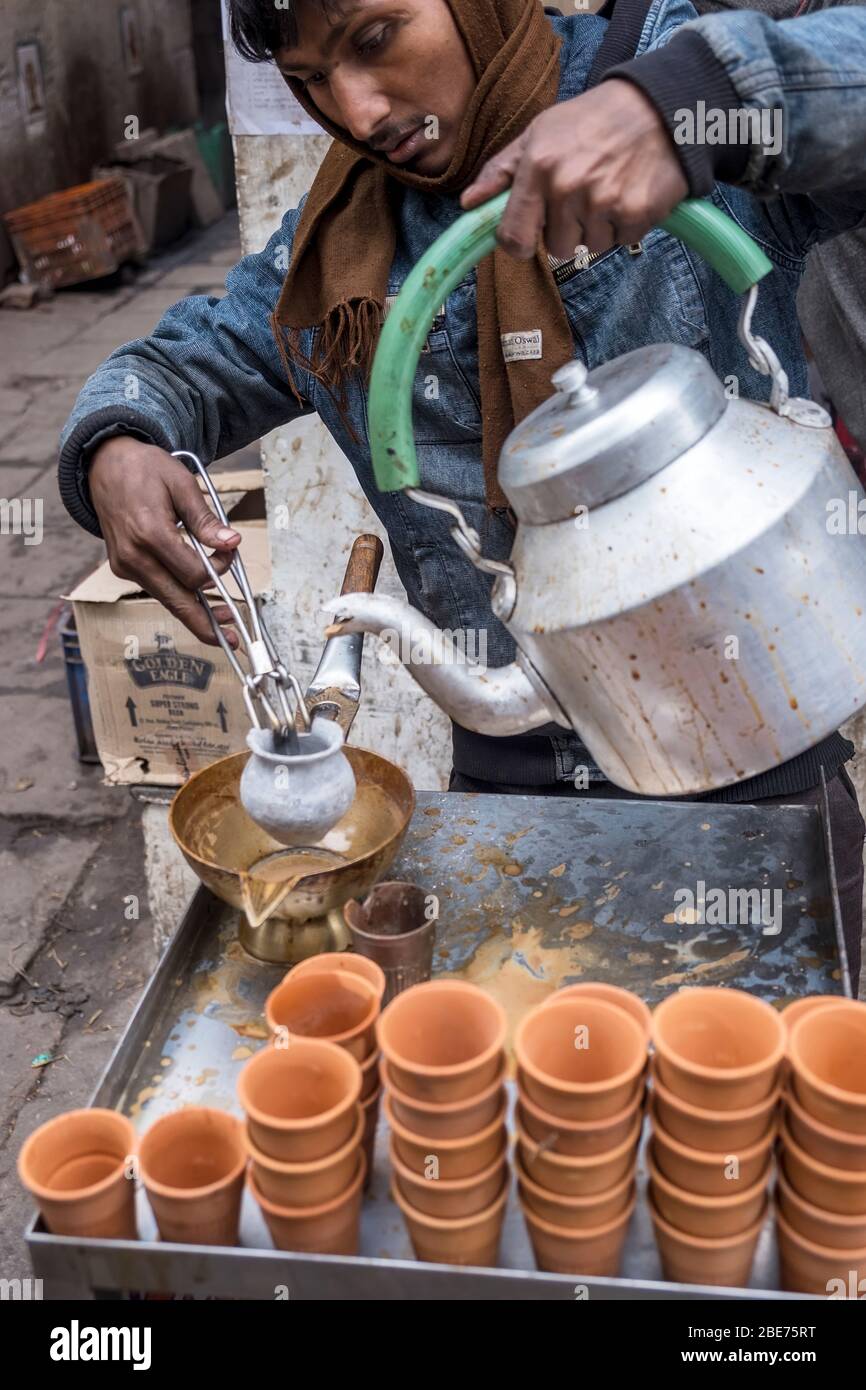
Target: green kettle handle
{"x":729,"y":250}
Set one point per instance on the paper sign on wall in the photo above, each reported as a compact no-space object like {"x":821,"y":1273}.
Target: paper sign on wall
{"x":258,"y":102}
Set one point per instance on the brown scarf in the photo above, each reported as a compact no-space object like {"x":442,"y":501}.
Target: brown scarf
{"x":338,"y":275}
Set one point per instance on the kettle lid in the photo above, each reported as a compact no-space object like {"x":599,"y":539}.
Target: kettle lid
{"x":608,"y":430}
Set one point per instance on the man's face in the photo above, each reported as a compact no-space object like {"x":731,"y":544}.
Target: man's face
{"x":382,"y":69}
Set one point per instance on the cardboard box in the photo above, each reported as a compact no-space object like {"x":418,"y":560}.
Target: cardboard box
{"x":163,"y":704}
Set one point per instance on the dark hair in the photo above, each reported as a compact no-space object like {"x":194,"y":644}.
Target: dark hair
{"x":258,"y":28}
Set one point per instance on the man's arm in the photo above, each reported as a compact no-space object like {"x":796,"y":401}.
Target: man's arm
{"x":209,"y":379}
{"x":811,"y":70}
{"x":626,"y":171}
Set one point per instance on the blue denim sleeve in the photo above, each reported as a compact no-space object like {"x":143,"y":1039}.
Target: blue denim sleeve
{"x":812,"y":70}
{"x":208,"y":378}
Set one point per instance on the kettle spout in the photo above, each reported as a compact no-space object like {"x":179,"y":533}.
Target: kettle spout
{"x":487,"y":700}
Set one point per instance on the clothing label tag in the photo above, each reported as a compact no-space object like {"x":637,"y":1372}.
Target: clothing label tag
{"x":522,"y":347}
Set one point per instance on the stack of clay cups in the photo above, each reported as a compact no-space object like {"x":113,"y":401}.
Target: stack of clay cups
{"x":303,"y":1134}
{"x":336,"y":996}
{"x":821,"y":1191}
{"x":581,"y":1080}
{"x":443,"y":1065}
{"x":78,"y":1168}
{"x":717,"y":1072}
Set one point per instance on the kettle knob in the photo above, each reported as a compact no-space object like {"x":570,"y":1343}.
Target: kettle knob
{"x":571,"y":381}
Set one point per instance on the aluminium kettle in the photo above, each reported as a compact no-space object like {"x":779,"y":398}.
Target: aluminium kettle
{"x":687,"y":584}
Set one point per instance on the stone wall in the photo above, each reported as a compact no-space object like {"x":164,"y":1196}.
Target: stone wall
{"x":88,"y":90}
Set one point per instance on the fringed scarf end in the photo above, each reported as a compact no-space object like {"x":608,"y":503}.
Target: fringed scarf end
{"x":344,"y":344}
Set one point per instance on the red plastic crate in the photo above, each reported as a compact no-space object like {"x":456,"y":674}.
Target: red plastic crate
{"x":76,"y":235}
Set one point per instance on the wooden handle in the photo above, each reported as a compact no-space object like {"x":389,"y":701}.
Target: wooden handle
{"x":362,"y":571}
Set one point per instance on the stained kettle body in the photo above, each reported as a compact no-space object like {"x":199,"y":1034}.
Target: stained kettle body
{"x":686,"y":588}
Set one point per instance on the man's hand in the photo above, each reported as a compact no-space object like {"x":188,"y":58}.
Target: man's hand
{"x":597,"y":171}
{"x":138,"y":493}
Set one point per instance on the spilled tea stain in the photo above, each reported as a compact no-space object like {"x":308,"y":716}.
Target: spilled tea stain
{"x":704,"y":968}
{"x":250,"y":1030}
{"x":610,"y":892}
{"x":491,"y":856}
{"x":519,"y":971}
{"x":144,"y":1095}
{"x":682,"y":916}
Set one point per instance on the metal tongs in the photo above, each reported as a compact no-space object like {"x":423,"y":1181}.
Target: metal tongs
{"x":264,"y":660}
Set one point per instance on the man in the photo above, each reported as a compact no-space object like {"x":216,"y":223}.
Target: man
{"x":503,"y":90}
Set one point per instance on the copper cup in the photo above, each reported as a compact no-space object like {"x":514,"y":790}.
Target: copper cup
{"x":393,"y":927}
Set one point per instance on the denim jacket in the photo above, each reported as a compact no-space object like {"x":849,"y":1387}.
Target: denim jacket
{"x":209,"y":377}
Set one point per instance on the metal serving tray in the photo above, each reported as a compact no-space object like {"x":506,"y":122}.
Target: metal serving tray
{"x":533,"y":891}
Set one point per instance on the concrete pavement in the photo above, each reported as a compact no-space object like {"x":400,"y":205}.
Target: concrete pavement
{"x":74,"y":957}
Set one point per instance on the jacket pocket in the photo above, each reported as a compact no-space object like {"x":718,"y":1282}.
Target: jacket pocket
{"x":624,"y":301}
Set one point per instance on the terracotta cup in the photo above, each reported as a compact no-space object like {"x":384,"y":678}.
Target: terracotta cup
{"x":192,"y":1165}
{"x":458,"y":1197}
{"x":332,"y":1228}
{"x":842,"y":1190}
{"x":798,"y":1008}
{"x":594,"y":1251}
{"x":809,"y":1268}
{"x":576,"y":1138}
{"x":718,"y":1049}
{"x":307,"y":1184}
{"x":442,"y":1040}
{"x":710,"y":1174}
{"x":370,"y":1109}
{"x":578,"y":1177}
{"x":715,"y":1217}
{"x":300,"y":1101}
{"x":456,"y":1119}
{"x":468,"y":1240}
{"x":612,"y":994}
{"x":75,"y":1166}
{"x":580,"y":1058}
{"x":457,"y":1158}
{"x":393,"y":927}
{"x":713,"y":1129}
{"x":829,"y":1229}
{"x":835,"y":1147}
{"x":344,"y":962}
{"x":574,"y":1213}
{"x":370,"y":1077}
{"x":827,"y":1052}
{"x":724,"y":1262}
{"x":335,"y":1005}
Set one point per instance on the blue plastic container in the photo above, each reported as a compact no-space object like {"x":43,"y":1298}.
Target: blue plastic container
{"x":76,"y":680}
